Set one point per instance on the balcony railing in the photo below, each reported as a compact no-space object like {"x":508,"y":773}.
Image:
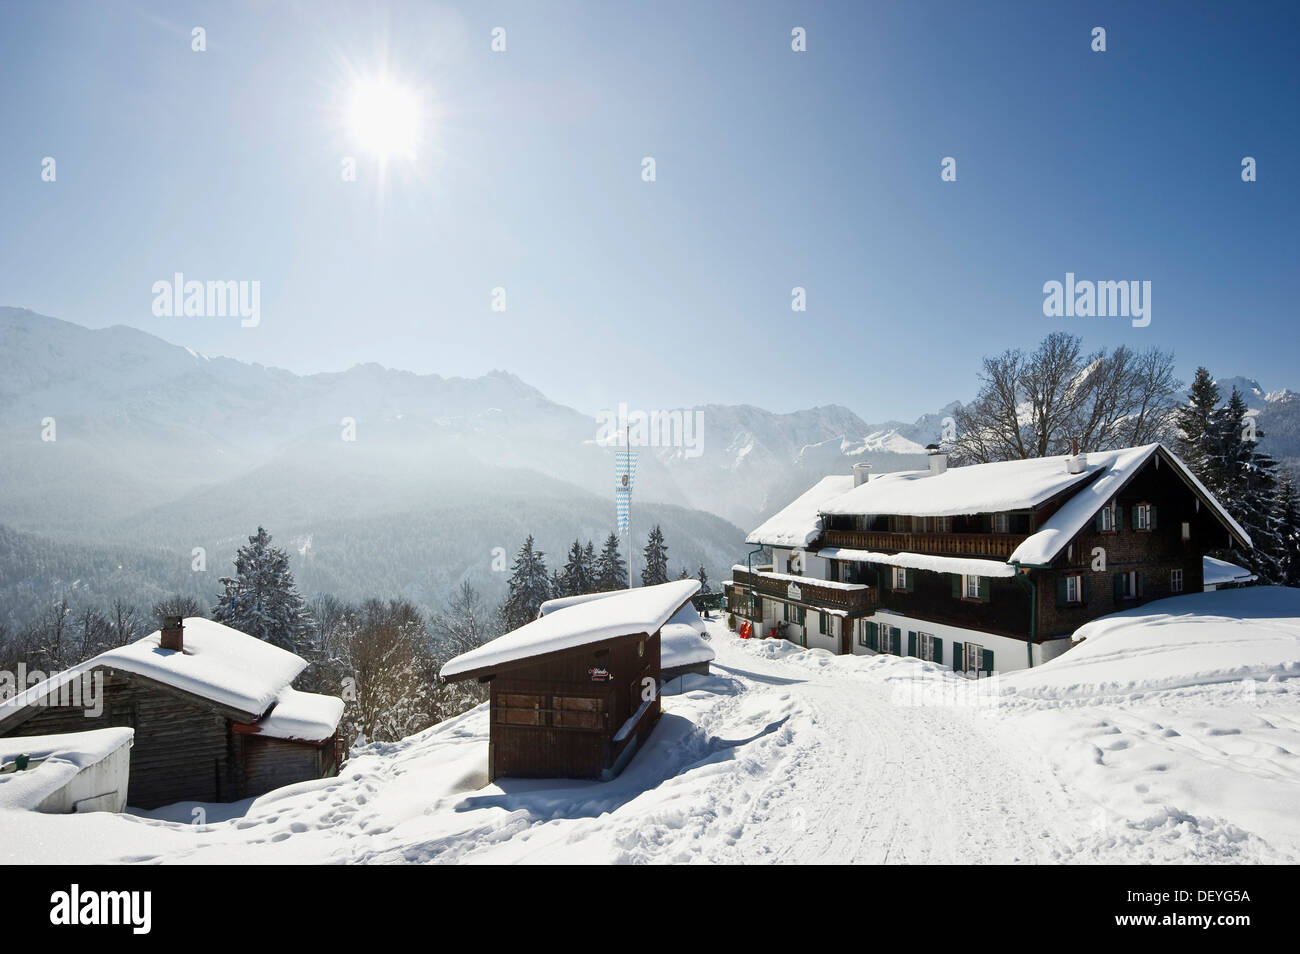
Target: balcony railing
{"x":810,"y":591}
{"x":999,"y":545}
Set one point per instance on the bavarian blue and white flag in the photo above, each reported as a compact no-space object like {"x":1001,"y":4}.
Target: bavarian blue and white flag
{"x":624,"y":471}
{"x":622,"y":508}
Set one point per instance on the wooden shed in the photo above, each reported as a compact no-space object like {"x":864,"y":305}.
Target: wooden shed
{"x":214,"y":714}
{"x":575,"y":693}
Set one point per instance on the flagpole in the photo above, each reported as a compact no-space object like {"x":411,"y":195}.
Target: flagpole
{"x":627,"y":468}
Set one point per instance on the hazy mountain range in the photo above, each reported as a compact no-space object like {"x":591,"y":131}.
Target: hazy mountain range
{"x":158,"y":450}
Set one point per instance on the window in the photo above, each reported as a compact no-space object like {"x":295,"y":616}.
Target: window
{"x":1175,"y":581}
{"x":1187,"y":531}
{"x":1001,"y":523}
{"x":929,"y":648}
{"x":1127,"y":585}
{"x":971,"y":587}
{"x":1107,"y":524}
{"x":821,"y":624}
{"x":973,"y":660}
{"x":899,"y":575}
{"x":1142,"y":515}
{"x":943,"y":524}
{"x":1073,"y":591}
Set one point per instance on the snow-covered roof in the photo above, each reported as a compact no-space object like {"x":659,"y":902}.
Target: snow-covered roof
{"x":55,"y":761}
{"x":641,"y":610}
{"x":977,"y":488}
{"x":922,"y":561}
{"x":799,"y":523}
{"x":218,"y":663}
{"x":1217,"y":572}
{"x":301,"y":717}
{"x":681,"y":645}
{"x":799,"y":580}
{"x":1077,"y":512}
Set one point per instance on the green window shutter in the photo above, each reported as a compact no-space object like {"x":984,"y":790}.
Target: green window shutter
{"x":937,"y":643}
{"x":956,"y":586}
{"x":958,"y":650}
{"x":1061,"y":592}
{"x":1097,"y":521}
{"x":984,"y":589}
{"x":873,"y":636}
{"x":1119,"y":516}
{"x":911,"y":643}
{"x":986,"y":664}
{"x":896,"y":640}
{"x":1118,"y":580}
{"x":1087,"y":588}
{"x":1137,"y":583}
{"x":821,"y":623}
{"x":909,"y":579}
{"x":1133,"y":513}
{"x":1151,"y":519}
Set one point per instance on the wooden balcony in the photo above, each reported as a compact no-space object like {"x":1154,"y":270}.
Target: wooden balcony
{"x":811,"y":592}
{"x":993,"y":545}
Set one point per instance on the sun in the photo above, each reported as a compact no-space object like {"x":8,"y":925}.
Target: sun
{"x":384,"y":118}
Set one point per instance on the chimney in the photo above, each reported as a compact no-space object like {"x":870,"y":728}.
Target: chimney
{"x":861,"y":474}
{"x":173,"y":633}
{"x":938,"y":459}
{"x":1076,"y":463}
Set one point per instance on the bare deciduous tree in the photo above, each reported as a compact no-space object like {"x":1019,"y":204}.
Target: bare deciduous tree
{"x":1036,"y":405}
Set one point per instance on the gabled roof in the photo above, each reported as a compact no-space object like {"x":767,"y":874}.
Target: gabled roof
{"x":1119,"y":468}
{"x":799,"y":523}
{"x":625,"y":613}
{"x":228,"y":668}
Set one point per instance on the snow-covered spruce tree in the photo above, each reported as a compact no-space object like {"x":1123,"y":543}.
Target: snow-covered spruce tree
{"x":685,"y":574}
{"x":529,"y":587}
{"x":611,"y":571}
{"x":578,"y":572}
{"x":656,"y":559}
{"x":1195,"y":428}
{"x":1247,"y":484}
{"x":589,"y":561}
{"x":261,"y":598}
{"x":1288,"y":524}
{"x":705,"y":586}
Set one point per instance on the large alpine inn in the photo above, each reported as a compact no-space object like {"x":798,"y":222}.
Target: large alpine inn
{"x":988,"y":567}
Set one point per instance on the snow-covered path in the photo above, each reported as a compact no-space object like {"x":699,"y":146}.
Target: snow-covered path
{"x":874,"y":781}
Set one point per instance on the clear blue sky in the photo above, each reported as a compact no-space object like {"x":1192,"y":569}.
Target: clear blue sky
{"x":775,"y":169}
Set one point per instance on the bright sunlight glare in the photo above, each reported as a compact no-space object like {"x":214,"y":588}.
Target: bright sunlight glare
{"x":384,"y":118}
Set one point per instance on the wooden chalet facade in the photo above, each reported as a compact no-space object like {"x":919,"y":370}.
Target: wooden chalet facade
{"x":984,"y":568}
{"x":214,"y":716}
{"x":575,"y":693}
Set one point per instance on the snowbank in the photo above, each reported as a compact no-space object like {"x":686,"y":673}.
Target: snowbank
{"x":1197,"y":639}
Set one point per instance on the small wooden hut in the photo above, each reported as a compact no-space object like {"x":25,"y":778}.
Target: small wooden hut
{"x":575,"y":693}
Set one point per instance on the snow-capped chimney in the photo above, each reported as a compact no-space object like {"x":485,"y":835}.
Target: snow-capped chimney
{"x":173,"y":634}
{"x":1076,"y":463}
{"x":861,"y":474}
{"x":938,"y":459}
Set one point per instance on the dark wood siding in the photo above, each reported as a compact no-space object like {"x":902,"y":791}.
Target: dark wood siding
{"x":558,"y":718}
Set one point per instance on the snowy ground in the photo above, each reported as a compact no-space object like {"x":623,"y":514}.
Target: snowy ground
{"x":1164,"y":737}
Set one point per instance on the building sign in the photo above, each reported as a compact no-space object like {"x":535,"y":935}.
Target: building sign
{"x":599,"y":674}
{"x":793,"y":592}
